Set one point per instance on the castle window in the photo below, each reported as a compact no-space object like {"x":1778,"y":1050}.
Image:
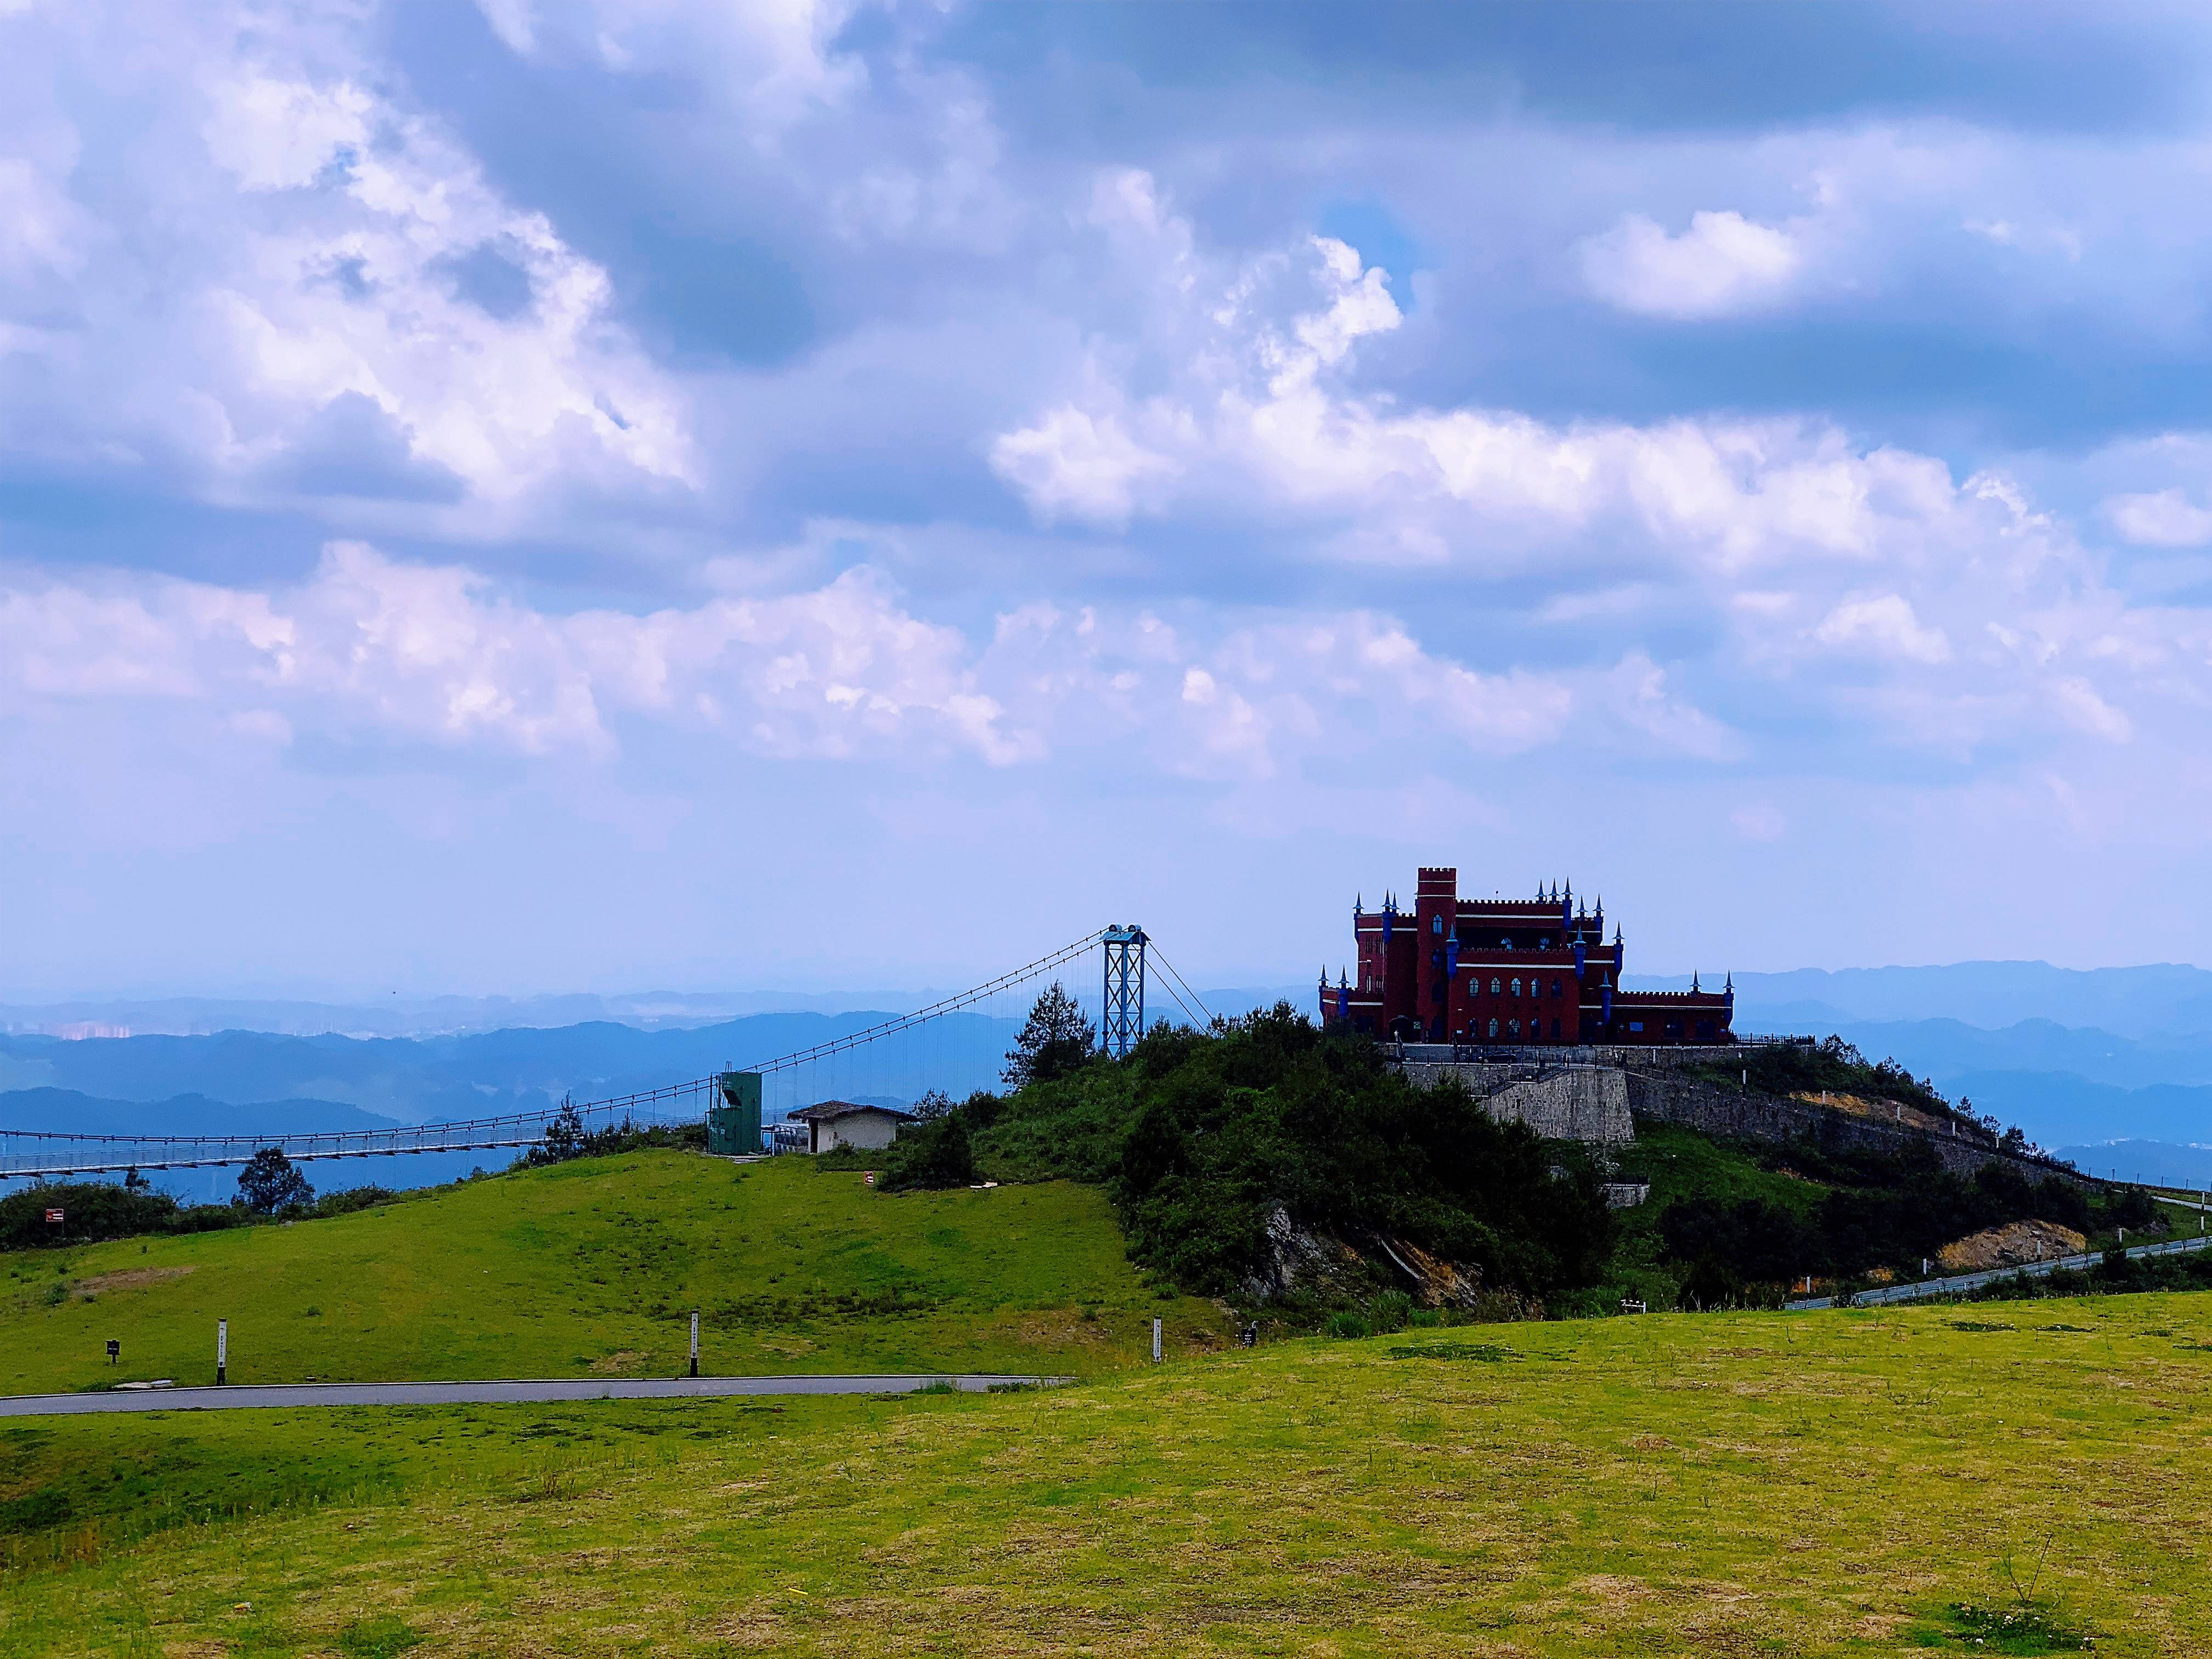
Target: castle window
{"x":1635,"y":1024}
{"x":1436,"y":924}
{"x":1493,"y":1028}
{"x":1494,"y":991}
{"x":1555,"y":1031}
{"x":1516,"y":1027}
{"x":1516,"y":987}
{"x":1555,"y":988}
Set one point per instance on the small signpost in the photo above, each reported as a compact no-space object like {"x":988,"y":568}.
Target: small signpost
{"x":695,"y":1345}
{"x":54,"y":1216}
{"x":114,"y":1351}
{"x":221,"y":1351}
{"x":1156,"y":1342}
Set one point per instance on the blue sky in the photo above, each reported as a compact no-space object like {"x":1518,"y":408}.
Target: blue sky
{"x":587,"y":494}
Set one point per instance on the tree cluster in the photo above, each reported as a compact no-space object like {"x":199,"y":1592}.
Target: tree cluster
{"x":1896,"y":1209}
{"x":1200,"y":1136}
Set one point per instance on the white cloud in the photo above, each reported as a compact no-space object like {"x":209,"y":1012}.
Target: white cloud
{"x":279,"y":310}
{"x":774,"y":56}
{"x":2164,"y":518}
{"x":432,"y":653}
{"x":1723,"y":264}
{"x":1883,"y":625}
{"x":1075,"y":464}
{"x":1816,"y":562}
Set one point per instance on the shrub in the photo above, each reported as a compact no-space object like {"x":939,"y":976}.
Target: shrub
{"x":1348,"y":1326}
{"x":937,"y":1153}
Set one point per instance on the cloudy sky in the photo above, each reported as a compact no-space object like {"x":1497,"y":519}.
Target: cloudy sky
{"x":601,"y":493}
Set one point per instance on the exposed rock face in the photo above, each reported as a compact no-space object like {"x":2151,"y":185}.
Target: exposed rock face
{"x":2013,"y":1245}
{"x":1301,"y":1261}
{"x":1588,"y":1103}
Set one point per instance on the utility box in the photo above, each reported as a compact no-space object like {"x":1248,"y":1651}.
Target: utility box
{"x":734,"y":1128}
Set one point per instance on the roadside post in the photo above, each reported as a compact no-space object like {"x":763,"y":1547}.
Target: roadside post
{"x":221,"y":1351}
{"x":114,"y":1351}
{"x":695,"y":1345}
{"x":1156,"y":1342}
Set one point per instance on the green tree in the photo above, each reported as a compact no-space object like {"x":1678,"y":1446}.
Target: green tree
{"x":269,"y":1184}
{"x":1056,"y":1041}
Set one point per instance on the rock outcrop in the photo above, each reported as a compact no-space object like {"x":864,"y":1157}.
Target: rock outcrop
{"x":2013,"y":1245}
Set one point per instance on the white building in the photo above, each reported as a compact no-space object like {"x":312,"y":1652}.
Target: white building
{"x":833,"y":1123}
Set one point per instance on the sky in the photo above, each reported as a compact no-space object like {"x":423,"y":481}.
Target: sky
{"x":593,"y":495}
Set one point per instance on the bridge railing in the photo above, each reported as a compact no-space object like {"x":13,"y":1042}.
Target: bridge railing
{"x":50,"y":1153}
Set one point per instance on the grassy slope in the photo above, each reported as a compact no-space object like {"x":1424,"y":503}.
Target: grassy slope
{"x":1681,"y":1163}
{"x":1811,"y":1485}
{"x":597,"y":1266}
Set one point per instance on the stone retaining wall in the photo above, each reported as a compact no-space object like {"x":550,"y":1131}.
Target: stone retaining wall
{"x":1580,"y":1102}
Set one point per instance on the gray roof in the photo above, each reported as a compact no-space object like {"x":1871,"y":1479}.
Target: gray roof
{"x":826,"y":1110}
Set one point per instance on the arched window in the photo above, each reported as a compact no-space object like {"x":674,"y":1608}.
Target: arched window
{"x":1555,"y":988}
{"x":1436,"y":924}
{"x":1493,"y":1028}
{"x":1515,"y":1026}
{"x":1494,"y":991}
{"x":1555,"y":1031}
{"x":1516,"y":987}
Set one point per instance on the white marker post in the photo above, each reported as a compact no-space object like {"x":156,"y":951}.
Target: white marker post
{"x":1156,"y":1342}
{"x":221,"y":1351}
{"x":695,"y":1345}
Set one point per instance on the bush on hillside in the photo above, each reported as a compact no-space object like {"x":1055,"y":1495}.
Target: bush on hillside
{"x":934,"y":1153}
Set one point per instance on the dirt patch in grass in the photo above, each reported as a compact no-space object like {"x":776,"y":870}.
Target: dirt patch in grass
{"x":129,"y":1279}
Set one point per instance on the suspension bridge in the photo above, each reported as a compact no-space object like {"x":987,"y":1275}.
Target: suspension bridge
{"x":1123,"y":952}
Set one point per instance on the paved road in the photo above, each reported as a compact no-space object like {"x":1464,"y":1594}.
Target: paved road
{"x":1922,"y":1289}
{"x":449,"y":1394}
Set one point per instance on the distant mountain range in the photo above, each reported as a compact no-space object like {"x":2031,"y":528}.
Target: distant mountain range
{"x":428,"y":1017}
{"x":2162,"y":998}
{"x":2081,"y":1060}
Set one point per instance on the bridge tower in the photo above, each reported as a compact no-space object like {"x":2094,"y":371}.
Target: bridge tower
{"x":1123,"y":1021}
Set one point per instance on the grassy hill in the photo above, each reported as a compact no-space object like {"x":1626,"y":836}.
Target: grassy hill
{"x":596,"y":1266}
{"x":1834,"y":1484}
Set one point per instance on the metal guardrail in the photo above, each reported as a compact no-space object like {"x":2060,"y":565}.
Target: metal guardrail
{"x":1928,"y":1289}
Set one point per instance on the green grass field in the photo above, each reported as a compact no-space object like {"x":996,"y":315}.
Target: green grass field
{"x":1725,"y":1484}
{"x":596,"y":1267}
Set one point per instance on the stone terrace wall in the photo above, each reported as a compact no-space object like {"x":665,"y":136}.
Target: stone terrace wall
{"x":1579,"y":1103}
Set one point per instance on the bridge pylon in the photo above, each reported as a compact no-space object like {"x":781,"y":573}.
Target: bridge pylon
{"x":1122,"y":1019}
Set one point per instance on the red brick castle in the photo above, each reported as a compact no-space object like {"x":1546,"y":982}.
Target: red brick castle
{"x":1507,"y":971}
